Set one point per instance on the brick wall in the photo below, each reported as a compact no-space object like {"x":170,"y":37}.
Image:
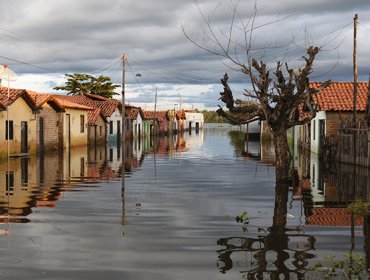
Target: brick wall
{"x":333,"y":120}
{"x":51,"y":129}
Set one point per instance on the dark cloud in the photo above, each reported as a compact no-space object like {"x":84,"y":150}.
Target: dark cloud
{"x":90,"y":36}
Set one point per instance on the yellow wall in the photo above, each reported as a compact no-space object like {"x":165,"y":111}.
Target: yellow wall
{"x":75,"y":163}
{"x":77,"y":138}
{"x":19,"y":111}
{"x":100,"y":138}
{"x":20,"y":196}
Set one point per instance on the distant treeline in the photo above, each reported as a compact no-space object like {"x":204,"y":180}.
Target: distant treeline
{"x":212,"y":117}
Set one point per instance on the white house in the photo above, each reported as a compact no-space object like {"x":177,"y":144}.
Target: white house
{"x":137,"y":116}
{"x":194,"y":120}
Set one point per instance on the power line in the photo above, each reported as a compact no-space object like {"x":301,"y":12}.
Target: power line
{"x":110,"y":65}
{"x":26,"y":63}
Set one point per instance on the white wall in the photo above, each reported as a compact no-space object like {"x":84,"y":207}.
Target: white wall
{"x":194,"y":118}
{"x":315,"y":133}
{"x":136,"y":125}
{"x":115,"y":117}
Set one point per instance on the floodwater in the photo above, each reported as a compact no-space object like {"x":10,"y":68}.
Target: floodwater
{"x":172,"y":216}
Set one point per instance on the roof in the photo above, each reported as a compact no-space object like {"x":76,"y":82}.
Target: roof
{"x":68,"y":104}
{"x":160,"y":115}
{"x":338,"y":96}
{"x":180,"y":115}
{"x":14,"y":94}
{"x":107,"y":106}
{"x":332,"y":217}
{"x":92,"y":116}
{"x":132,"y":112}
{"x":39,"y":98}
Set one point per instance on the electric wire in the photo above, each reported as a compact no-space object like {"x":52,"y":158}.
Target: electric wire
{"x":26,"y":63}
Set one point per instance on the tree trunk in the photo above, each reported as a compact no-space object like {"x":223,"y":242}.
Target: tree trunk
{"x":282,"y":155}
{"x":280,"y":209}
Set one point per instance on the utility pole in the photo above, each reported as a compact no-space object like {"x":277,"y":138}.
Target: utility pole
{"x":355,"y":80}
{"x":123,"y":140}
{"x":124,"y":58}
{"x":355,"y":72}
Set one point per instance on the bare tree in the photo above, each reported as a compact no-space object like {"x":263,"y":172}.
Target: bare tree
{"x":279,"y":93}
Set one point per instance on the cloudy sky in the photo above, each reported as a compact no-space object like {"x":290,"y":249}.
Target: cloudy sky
{"x":41,"y":40}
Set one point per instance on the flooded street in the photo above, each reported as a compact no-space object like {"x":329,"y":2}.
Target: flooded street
{"x":173,"y":216}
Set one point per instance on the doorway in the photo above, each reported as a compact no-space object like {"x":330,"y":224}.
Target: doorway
{"x":24,"y":137}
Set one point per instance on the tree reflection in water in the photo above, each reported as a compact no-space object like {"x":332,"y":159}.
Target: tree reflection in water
{"x":269,"y":253}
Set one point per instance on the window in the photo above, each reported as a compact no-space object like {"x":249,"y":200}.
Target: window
{"x":9,"y":130}
{"x":118,"y":127}
{"x":82,"y":123}
{"x":9,"y":182}
{"x":111,"y":127}
{"x":101,"y":130}
{"x":314,"y":130}
{"x":82,"y":166}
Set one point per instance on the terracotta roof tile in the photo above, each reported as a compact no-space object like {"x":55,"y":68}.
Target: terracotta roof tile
{"x":108,"y":106}
{"x":181,"y":115}
{"x":160,"y":115}
{"x":133,"y":112}
{"x":339,"y":96}
{"x":39,"y":98}
{"x":14,"y":94}
{"x":68,"y":104}
{"x":332,"y":217}
{"x":92,"y":116}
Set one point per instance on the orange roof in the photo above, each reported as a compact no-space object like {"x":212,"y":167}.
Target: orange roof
{"x":71,"y":105}
{"x":39,"y":98}
{"x":181,"y":115}
{"x":339,"y":96}
{"x":160,"y":115}
{"x":133,"y":112}
{"x":92,"y":116}
{"x":332,"y":217}
{"x":14,"y":94}
{"x":107,"y":106}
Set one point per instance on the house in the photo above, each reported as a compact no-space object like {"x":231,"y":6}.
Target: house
{"x":48,"y":124}
{"x":194,"y":120}
{"x":150,"y":117}
{"x":74,"y":123}
{"x":252,"y":128}
{"x":334,"y":104}
{"x":110,"y":109}
{"x":137,"y":118}
{"x":173,"y":122}
{"x":17,"y":122}
{"x":97,"y":127}
{"x":163,"y":121}
{"x":181,"y":120}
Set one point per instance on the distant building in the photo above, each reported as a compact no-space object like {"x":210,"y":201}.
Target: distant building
{"x":194,"y":120}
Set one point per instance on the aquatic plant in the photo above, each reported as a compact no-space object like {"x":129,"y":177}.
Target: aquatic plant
{"x":360,"y":208}
{"x":243,"y":218}
{"x":353,"y":267}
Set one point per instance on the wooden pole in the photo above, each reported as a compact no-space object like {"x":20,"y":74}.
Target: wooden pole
{"x":355,"y":72}
{"x":124,"y":58}
{"x":123,"y":140}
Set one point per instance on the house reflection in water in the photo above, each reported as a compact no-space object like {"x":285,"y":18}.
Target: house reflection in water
{"x":325,"y":191}
{"x":39,"y":181}
{"x":328,"y":190}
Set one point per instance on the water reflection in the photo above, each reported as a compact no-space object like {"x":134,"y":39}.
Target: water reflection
{"x":40,"y":181}
{"x":277,"y":253}
{"x":324,"y":191}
